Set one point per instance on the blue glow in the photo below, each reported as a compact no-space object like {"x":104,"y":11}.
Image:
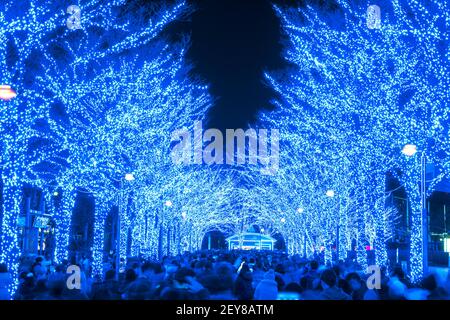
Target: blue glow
{"x":97,"y":103}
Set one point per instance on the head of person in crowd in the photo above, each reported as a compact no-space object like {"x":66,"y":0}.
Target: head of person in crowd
{"x":41,"y":285}
{"x":304,"y":284}
{"x":110,"y":275}
{"x":23,"y":276}
{"x":268,"y":288}
{"x":166,"y":260}
{"x":397,"y":289}
{"x":219,"y":285}
{"x":130,"y":275}
{"x":185,"y":286}
{"x":147,"y":270}
{"x":429,"y":283}
{"x":329,"y":284}
{"x":435,"y":289}
{"x":355,"y":286}
{"x":223,"y":269}
{"x":40,"y":272}
{"x":354,"y":281}
{"x":313,"y":266}
{"x":398,"y":272}
{"x":170,"y":267}
{"x":137,"y":268}
{"x":244,"y":271}
{"x":200,"y":267}
{"x":328,"y":279}
{"x":293,"y":287}
{"x":280,"y":282}
{"x":181,"y":277}
{"x":280,"y":269}
{"x":292,"y":291}
{"x":138,"y":290}
{"x":59,"y":268}
{"x":56,"y":288}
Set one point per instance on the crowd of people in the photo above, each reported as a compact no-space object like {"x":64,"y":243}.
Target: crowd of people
{"x":219,"y":275}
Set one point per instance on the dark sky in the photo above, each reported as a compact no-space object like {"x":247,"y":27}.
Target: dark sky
{"x":232,"y":43}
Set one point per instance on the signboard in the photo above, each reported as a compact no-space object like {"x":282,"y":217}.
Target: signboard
{"x":41,"y":222}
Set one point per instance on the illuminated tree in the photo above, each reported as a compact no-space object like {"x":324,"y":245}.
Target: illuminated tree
{"x":35,"y":34}
{"x":361,"y":94}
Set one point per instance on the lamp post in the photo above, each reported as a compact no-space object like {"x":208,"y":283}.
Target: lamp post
{"x":300,"y":211}
{"x":260,"y":238}
{"x":410,"y":150}
{"x":184,"y":217}
{"x":127,"y":177}
{"x":167,"y":204}
{"x":330,"y":194}
{"x":7,"y":93}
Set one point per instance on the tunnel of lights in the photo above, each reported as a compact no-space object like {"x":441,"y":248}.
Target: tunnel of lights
{"x":92,"y":110}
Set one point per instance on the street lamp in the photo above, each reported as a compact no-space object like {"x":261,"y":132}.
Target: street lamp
{"x":261,"y":231}
{"x":410,"y":150}
{"x":168,"y":203}
{"x":7,"y":93}
{"x":330,"y":193}
{"x":127,"y":177}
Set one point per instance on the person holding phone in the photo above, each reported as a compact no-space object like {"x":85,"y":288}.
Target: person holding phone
{"x":243,"y":288}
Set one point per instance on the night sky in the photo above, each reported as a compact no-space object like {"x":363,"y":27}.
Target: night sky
{"x":232,"y":43}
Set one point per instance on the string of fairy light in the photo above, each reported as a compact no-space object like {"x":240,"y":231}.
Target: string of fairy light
{"x":36,"y":103}
{"x":96,"y":108}
{"x":358,"y":95}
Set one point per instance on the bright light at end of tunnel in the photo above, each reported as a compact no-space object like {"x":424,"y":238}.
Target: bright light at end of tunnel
{"x":168,"y":203}
{"x":300,"y":210}
{"x":129,"y":177}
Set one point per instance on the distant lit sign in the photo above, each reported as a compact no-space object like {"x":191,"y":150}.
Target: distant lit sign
{"x":41,"y":222}
{"x":447,"y":245}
